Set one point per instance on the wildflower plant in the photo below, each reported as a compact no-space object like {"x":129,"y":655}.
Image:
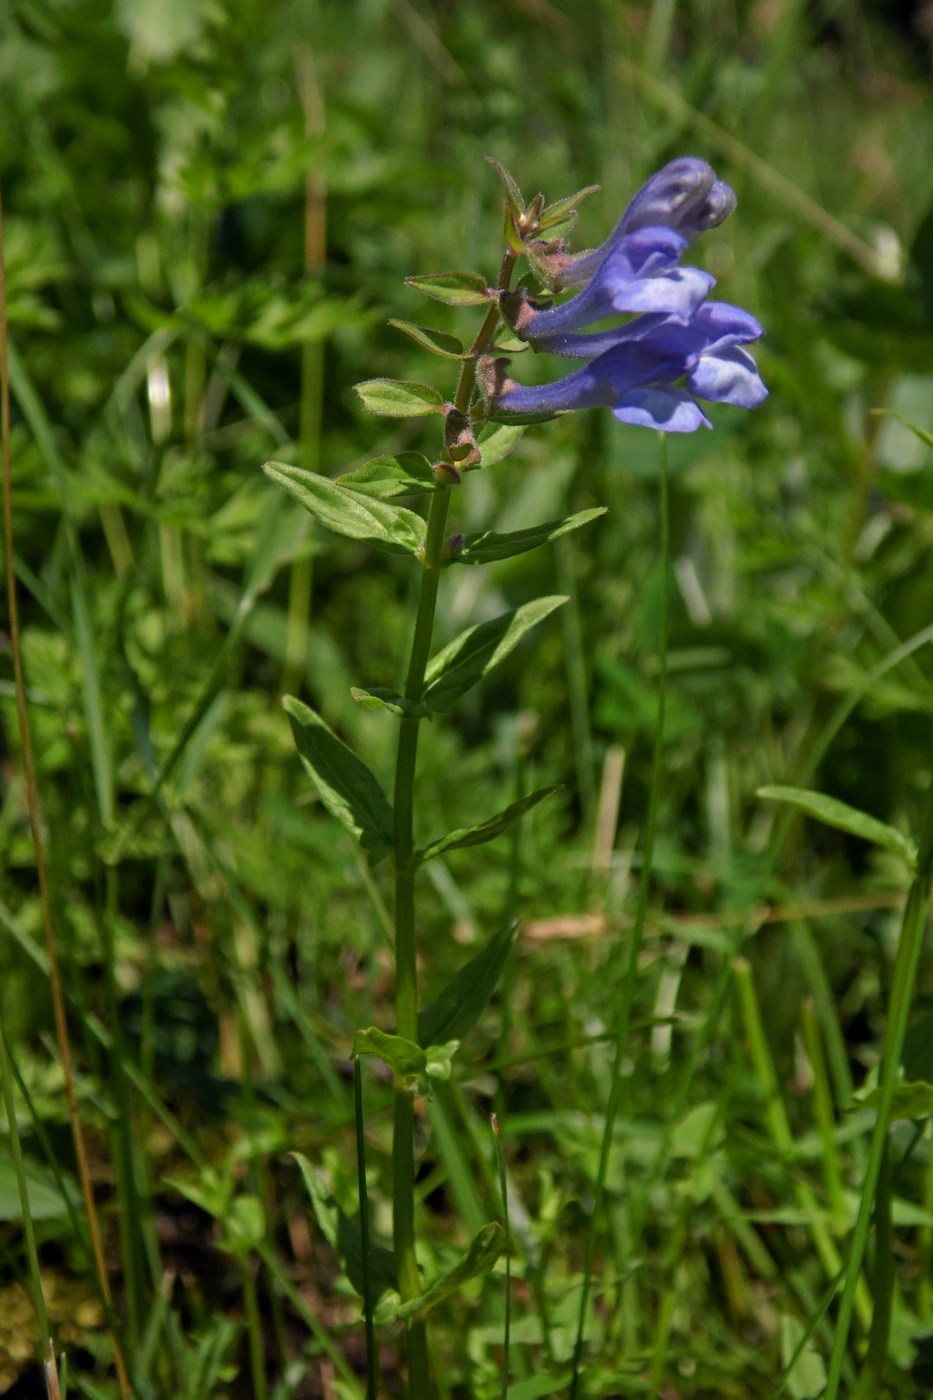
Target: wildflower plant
{"x":669,"y":347}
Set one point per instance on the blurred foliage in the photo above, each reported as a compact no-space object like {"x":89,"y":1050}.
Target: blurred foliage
{"x":210,"y":207}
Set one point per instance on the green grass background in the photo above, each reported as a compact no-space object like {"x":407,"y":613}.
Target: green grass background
{"x":210,"y":207}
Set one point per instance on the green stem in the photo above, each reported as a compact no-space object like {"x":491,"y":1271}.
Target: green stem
{"x":617,"y":1080}
{"x":406,"y":978}
{"x":406,"y":983}
{"x":905,"y":973}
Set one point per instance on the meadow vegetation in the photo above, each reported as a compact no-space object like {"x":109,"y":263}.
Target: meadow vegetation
{"x":210,"y":208}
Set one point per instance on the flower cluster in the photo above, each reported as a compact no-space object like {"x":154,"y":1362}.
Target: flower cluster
{"x":677,"y":347}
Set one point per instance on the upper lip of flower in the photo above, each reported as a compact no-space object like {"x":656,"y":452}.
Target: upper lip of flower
{"x":640,"y":273}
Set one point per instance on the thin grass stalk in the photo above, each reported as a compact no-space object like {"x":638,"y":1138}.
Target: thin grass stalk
{"x":311,"y":400}
{"x":916,"y":913}
{"x":623,"y":1025}
{"x":35,"y":824}
{"x":507,"y":1324}
{"x":372,"y":1355}
{"x":29,"y":1232}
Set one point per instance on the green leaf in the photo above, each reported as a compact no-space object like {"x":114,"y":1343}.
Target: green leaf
{"x":407,"y":475}
{"x":487,"y":830}
{"x":379,"y":698}
{"x":497,"y":442}
{"x":458,"y":1008}
{"x":513,"y":194}
{"x":911,"y":1101}
{"x":244,"y":1225}
{"x":453,"y":288}
{"x":343,"y":1236}
{"x":436,"y":341}
{"x":347,"y":788}
{"x":487,"y":546}
{"x":845,"y":818}
{"x":403,"y":1056}
{"x":478,"y":1260}
{"x":399,"y":398}
{"x":347,"y":513}
{"x":439,"y":1059}
{"x":46,"y":1201}
{"x":476,"y":651}
{"x":563,"y":208}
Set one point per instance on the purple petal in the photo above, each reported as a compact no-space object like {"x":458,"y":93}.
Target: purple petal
{"x":670,"y":410}
{"x":729,"y":377}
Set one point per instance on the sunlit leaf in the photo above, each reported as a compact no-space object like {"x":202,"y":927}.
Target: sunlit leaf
{"x":436,"y":341}
{"x":452,"y":288}
{"x":346,"y":512}
{"x":399,"y":398}
{"x":845,"y":818}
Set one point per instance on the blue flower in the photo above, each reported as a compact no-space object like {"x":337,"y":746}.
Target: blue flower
{"x":684,"y":196}
{"x":676,"y":348}
{"x":640,"y":272}
{"x":650,"y":372}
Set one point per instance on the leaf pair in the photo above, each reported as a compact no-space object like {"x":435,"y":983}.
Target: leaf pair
{"x":349,"y":789}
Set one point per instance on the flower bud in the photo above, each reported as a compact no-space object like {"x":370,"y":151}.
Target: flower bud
{"x":452,"y":546}
{"x":446,"y":474}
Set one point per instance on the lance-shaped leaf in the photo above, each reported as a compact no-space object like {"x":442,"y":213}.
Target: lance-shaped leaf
{"x":401,"y":1055}
{"x":453,"y":288}
{"x":409,"y":474}
{"x":497,"y":442}
{"x":343,"y":1236}
{"x":347,"y":513}
{"x":911,"y":1100}
{"x":380,"y":698}
{"x":487,"y":546}
{"x":563,"y":209}
{"x":478,"y":1260}
{"x":399,"y":398}
{"x":487,"y":830}
{"x":436,"y":341}
{"x":845,"y":818}
{"x":513,"y":194}
{"x":476,"y":651}
{"x":348,"y":789}
{"x":458,"y":1008}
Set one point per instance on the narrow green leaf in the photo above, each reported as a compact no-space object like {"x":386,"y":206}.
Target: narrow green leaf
{"x":487,"y":830}
{"x":497,"y":442}
{"x":348,"y":513}
{"x":44,"y":1193}
{"x":565,"y":208}
{"x":343,"y":1236}
{"x":347,"y":788}
{"x":845,"y":818}
{"x":399,"y":398}
{"x":409,"y":474}
{"x":478,"y":1260}
{"x":476,"y":651}
{"x":379,"y":698}
{"x":512,"y":193}
{"x":403,"y":1056}
{"x":458,"y":1008}
{"x":436,"y":341}
{"x":453,"y":288}
{"x":486,"y":546}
